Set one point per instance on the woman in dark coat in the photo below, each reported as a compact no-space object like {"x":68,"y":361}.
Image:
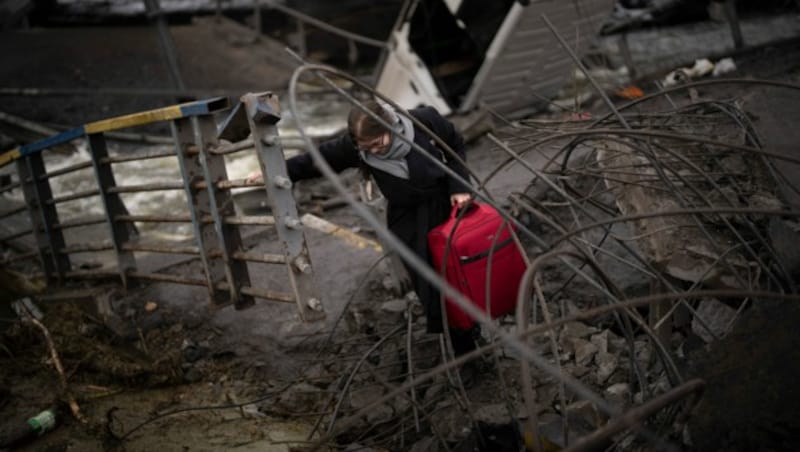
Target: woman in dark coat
{"x":419,"y":194}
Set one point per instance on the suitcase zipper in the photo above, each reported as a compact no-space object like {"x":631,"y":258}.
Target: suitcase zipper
{"x":481,"y":255}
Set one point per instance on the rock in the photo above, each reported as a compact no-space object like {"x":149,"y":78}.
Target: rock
{"x":600,"y":340}
{"x":150,"y":306}
{"x":426,"y":444}
{"x":450,"y":422}
{"x":644,"y":353}
{"x":716,"y":315}
{"x":298,"y":398}
{"x":606,"y":365}
{"x":494,"y":414}
{"x":618,"y":395}
{"x":194,"y":353}
{"x":361,"y":397}
{"x":193,"y":375}
{"x":576,"y":370}
{"x":585,"y":412}
{"x":584,"y":351}
{"x":395,"y":306}
{"x":380,"y":414}
{"x":577,"y":330}
{"x":433,"y":391}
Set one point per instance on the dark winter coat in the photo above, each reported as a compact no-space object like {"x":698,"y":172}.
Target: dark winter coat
{"x":414,"y":205}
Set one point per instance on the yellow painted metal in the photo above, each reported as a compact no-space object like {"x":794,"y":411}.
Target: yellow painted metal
{"x":135,"y":119}
{"x":7,"y":157}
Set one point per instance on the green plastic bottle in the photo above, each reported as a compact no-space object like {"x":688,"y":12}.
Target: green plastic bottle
{"x":43,"y":422}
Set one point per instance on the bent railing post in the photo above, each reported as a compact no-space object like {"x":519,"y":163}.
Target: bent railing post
{"x":42,"y":210}
{"x":263,"y":114}
{"x":199,"y":206}
{"x":220,"y":204}
{"x":113,"y":207}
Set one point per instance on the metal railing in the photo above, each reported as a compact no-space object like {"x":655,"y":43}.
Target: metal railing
{"x":200,"y":156}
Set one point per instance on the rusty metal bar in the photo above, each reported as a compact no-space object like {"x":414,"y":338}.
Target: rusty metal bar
{"x":137,"y":157}
{"x":160,"y":248}
{"x":186,"y":133}
{"x":78,"y":223}
{"x":14,"y":211}
{"x":154,"y":218}
{"x":146,"y":187}
{"x":635,"y":416}
{"x":10,"y":187}
{"x":263,"y":113}
{"x":248,"y":220}
{"x":66,"y":170}
{"x":38,"y":196}
{"x":91,"y":274}
{"x":221,"y":205}
{"x":264,"y":220}
{"x":271,"y":295}
{"x":74,"y":196}
{"x":267,"y":258}
{"x":28,"y":255}
{"x":235,"y":147}
{"x":16,"y":235}
{"x":113,"y":206}
{"x":228,"y":184}
{"x":86,"y":247}
{"x":161,"y":277}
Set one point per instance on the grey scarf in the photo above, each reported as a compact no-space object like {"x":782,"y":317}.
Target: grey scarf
{"x":394,"y":160}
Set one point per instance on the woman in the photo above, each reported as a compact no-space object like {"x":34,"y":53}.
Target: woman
{"x":419,"y":194}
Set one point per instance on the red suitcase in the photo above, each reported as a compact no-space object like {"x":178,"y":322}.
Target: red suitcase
{"x":468,"y":261}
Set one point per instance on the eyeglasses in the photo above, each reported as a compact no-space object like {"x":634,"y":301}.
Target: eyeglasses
{"x":374,"y":146}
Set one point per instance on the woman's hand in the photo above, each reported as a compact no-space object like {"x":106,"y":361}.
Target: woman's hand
{"x":255,"y":177}
{"x":460,"y":199}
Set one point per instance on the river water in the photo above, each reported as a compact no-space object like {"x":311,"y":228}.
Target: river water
{"x":320,"y":115}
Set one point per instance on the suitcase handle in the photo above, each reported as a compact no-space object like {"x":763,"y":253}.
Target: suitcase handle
{"x":469,"y":208}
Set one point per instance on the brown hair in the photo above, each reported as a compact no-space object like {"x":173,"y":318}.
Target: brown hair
{"x":365,"y":127}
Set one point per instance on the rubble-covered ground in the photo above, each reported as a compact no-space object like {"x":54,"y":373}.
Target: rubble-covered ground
{"x":158,"y":370}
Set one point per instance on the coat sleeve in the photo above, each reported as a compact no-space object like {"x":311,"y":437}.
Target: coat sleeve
{"x":338,"y":152}
{"x":448,"y":133}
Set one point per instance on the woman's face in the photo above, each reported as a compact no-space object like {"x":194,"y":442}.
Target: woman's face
{"x":375,"y":146}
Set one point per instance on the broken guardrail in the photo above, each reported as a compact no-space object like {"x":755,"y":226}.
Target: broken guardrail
{"x":210,"y":209}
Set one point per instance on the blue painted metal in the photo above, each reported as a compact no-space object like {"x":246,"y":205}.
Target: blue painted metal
{"x":43,"y":215}
{"x":200,"y":107}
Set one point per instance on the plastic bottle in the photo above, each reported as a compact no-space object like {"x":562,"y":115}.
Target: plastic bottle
{"x":32,"y":428}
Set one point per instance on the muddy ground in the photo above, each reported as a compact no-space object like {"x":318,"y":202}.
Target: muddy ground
{"x":164,"y":372}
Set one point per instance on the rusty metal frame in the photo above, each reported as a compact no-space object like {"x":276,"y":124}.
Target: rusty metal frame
{"x":221,"y":205}
{"x":121,"y":233}
{"x":43,"y":215}
{"x":263,"y":113}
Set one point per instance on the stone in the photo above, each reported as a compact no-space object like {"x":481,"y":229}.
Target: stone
{"x":584,"y":351}
{"x":606,"y":365}
{"x":577,"y":330}
{"x":426,"y":444}
{"x":380,"y":414}
{"x":644,"y":354}
{"x":584,"y":411}
{"x":494,"y":414}
{"x":716,"y":316}
{"x":361,"y":397}
{"x":600,"y":340}
{"x":395,"y":306}
{"x":618,"y":395}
